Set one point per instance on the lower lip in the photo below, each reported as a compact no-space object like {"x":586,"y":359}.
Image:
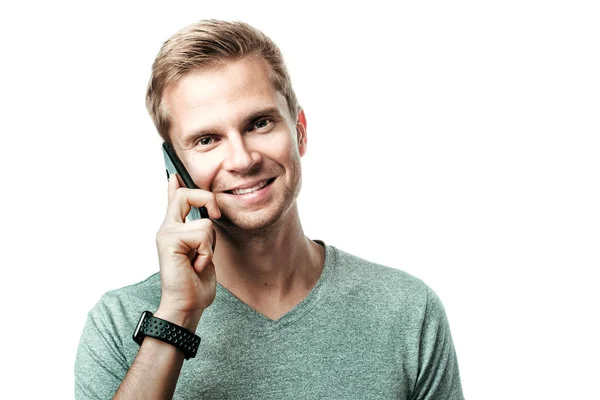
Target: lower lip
{"x":254,"y":197}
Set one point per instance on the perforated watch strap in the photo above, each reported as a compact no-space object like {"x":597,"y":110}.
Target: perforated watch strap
{"x":170,"y":333}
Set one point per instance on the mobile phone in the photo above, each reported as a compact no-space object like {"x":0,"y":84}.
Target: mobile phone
{"x":175,"y":166}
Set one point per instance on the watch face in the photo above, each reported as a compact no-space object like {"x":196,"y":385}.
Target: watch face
{"x":136,"y":334}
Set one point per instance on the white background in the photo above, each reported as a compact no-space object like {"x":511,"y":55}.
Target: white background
{"x":458,"y":141}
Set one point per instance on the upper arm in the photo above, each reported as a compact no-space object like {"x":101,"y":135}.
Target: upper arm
{"x":100,"y":365}
{"x":438,"y":375}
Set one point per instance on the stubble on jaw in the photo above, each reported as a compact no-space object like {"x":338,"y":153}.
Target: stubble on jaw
{"x":266,"y":221}
{"x":247,"y":224}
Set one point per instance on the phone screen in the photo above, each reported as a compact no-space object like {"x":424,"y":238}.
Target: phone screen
{"x":174,"y":166}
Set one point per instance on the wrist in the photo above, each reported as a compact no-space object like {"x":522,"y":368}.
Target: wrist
{"x":187,"y":320}
{"x":150,"y":325}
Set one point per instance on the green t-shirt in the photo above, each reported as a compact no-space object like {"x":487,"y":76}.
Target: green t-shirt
{"x":365,"y":331}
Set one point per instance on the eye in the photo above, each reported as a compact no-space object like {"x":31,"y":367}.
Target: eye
{"x":205,"y":141}
{"x":263,"y":123}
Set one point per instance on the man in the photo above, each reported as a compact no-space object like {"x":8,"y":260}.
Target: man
{"x":279,"y":315}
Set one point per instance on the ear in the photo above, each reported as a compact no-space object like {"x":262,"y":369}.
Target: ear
{"x":301,"y":132}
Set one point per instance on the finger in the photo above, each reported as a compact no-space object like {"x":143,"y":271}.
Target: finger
{"x":202,"y":244}
{"x":189,"y":244}
{"x":205,"y":271}
{"x":186,"y":237}
{"x":170,"y":235}
{"x":183,"y":200}
{"x":172,"y":187}
{"x":204,"y":224}
{"x":201,"y":261}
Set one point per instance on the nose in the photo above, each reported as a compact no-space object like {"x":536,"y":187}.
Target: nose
{"x":239,"y":157}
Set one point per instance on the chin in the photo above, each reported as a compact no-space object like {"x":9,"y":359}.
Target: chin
{"x":255,"y":221}
{"x":271,"y":215}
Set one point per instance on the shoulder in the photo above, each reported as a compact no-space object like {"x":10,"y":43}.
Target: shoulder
{"x":353,"y":270}
{"x":387,"y":289}
{"x":146,"y":290}
{"x":128,"y":302}
{"x":106,"y":349}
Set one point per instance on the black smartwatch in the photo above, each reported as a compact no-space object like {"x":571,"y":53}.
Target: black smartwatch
{"x":160,"y":329}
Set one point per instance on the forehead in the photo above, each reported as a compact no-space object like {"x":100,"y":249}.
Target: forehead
{"x":221,"y":97}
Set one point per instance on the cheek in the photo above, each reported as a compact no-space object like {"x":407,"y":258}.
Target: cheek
{"x":286,"y":153}
{"x":203,"y":169}
{"x":281,"y":148}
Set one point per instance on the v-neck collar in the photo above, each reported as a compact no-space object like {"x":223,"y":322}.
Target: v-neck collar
{"x":266,"y":324}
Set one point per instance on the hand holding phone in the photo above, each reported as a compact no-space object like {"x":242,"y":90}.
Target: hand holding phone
{"x":185,"y":250}
{"x":175,"y":166}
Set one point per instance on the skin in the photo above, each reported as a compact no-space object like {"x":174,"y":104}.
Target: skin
{"x":253,"y":245}
{"x":223,"y":148}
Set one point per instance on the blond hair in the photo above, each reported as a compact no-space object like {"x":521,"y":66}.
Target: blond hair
{"x":209,"y":44}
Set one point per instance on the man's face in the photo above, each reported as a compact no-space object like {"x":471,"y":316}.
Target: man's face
{"x":236,"y":137}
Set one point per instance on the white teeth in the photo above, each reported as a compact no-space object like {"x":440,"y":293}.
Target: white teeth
{"x":250,"y":190}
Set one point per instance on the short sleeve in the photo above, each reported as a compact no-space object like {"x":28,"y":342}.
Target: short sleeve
{"x":438,"y":376}
{"x":100,"y":365}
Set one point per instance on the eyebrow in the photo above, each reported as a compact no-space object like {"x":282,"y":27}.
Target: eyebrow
{"x":188,"y":139}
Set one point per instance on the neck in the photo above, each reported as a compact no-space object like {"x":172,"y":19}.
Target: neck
{"x":270,"y":268}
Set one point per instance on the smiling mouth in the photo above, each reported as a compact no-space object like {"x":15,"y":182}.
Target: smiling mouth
{"x":258,"y":186}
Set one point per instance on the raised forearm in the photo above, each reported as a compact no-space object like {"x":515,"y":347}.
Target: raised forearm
{"x":154,"y":372}
{"x":156,"y":368}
